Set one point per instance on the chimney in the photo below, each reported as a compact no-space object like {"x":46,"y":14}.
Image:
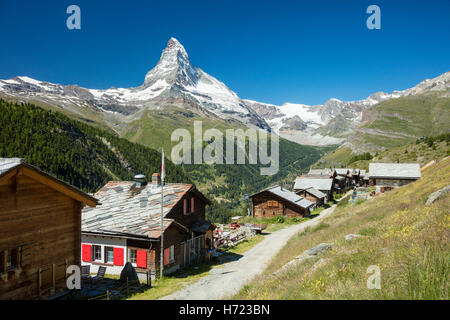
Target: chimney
{"x":156,"y":179}
{"x":140,"y":180}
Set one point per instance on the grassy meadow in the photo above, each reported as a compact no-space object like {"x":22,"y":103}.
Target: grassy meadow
{"x":407,"y":240}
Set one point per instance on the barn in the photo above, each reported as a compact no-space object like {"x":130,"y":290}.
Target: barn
{"x":278,"y":201}
{"x":393,"y":174}
{"x":126,"y":227}
{"x":40,"y":227}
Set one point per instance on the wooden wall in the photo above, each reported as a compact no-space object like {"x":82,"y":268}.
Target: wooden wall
{"x":46,"y":225}
{"x":267,"y":205}
{"x":190,"y":219}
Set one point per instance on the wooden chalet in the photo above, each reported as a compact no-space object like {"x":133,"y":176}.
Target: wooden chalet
{"x":393,"y":174}
{"x":324,"y":185}
{"x":126,"y":227}
{"x":343,"y":178}
{"x":278,"y":201}
{"x":40,"y":228}
{"x":315,"y":196}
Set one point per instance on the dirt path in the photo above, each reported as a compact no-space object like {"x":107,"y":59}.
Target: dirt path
{"x":223,"y":282}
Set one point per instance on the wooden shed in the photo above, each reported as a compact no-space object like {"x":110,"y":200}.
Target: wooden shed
{"x":278,"y":201}
{"x":40,"y":228}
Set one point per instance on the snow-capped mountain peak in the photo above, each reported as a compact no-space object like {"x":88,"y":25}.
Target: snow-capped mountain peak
{"x":174,"y":66}
{"x":173,"y":81}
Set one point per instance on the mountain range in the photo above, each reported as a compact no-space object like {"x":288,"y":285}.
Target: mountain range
{"x":175,"y":92}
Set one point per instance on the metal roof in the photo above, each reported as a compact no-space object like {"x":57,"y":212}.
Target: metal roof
{"x":316,"y":193}
{"x":394,"y":170}
{"x":302,"y":183}
{"x":131,"y":209}
{"x":290,"y":196}
{"x":7,"y":164}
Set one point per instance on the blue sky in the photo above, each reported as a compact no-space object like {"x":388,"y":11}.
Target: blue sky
{"x":270,"y":51}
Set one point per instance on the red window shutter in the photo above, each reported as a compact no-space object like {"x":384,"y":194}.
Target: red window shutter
{"x":192,"y":204}
{"x":184,"y":206}
{"x":86,"y":252}
{"x":118,"y":256}
{"x":166,"y":256}
{"x":141,"y":259}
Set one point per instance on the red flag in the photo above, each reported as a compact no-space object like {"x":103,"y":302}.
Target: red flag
{"x":163,"y":168}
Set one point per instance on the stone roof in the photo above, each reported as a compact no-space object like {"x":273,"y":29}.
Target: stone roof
{"x":395,"y":170}
{"x":321,"y":172}
{"x":342,"y":171}
{"x":289,"y":196}
{"x":303,"y":183}
{"x":6,"y":164}
{"x":129,"y":209}
{"x":316,"y":193}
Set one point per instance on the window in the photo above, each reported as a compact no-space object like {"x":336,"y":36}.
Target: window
{"x":9,"y":260}
{"x":192,"y":205}
{"x":96,"y":253}
{"x":2,"y":262}
{"x":132,"y":255}
{"x":109,"y":255}
{"x":172,"y":254}
{"x":272,"y":204}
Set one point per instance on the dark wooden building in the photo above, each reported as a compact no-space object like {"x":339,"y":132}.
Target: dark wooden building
{"x":393,"y":174}
{"x":315,"y":196}
{"x":126,"y":227}
{"x":278,"y":201}
{"x":40,"y":230}
{"x":324,"y":185}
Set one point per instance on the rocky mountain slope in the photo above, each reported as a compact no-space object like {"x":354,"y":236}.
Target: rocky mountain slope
{"x":173,"y":81}
{"x":175,"y":87}
{"x":334,"y":121}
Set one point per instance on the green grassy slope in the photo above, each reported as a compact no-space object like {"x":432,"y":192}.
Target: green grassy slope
{"x":406,"y":239}
{"x":401,"y":121}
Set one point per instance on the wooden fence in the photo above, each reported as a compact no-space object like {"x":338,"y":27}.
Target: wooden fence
{"x":49,"y":276}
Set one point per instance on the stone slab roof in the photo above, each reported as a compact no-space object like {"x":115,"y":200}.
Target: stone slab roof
{"x":394,"y":170}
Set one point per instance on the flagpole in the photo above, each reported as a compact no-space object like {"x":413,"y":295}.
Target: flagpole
{"x":162,"y":216}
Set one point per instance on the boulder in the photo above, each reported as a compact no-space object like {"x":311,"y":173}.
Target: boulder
{"x":352,"y":236}
{"x":128,"y":271}
{"x":318,"y":249}
{"x":435,"y":196}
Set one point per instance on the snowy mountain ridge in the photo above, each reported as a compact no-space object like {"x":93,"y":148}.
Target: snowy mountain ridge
{"x":176,"y":81}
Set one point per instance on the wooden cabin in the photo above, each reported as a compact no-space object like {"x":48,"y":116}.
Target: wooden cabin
{"x":313,"y":195}
{"x":40,"y":228}
{"x":278,"y":201}
{"x":393,"y":174}
{"x":324,"y":185}
{"x":127,"y":227}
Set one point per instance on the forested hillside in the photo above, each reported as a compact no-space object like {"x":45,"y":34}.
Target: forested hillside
{"x":87,"y":157}
{"x":77,"y":153}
